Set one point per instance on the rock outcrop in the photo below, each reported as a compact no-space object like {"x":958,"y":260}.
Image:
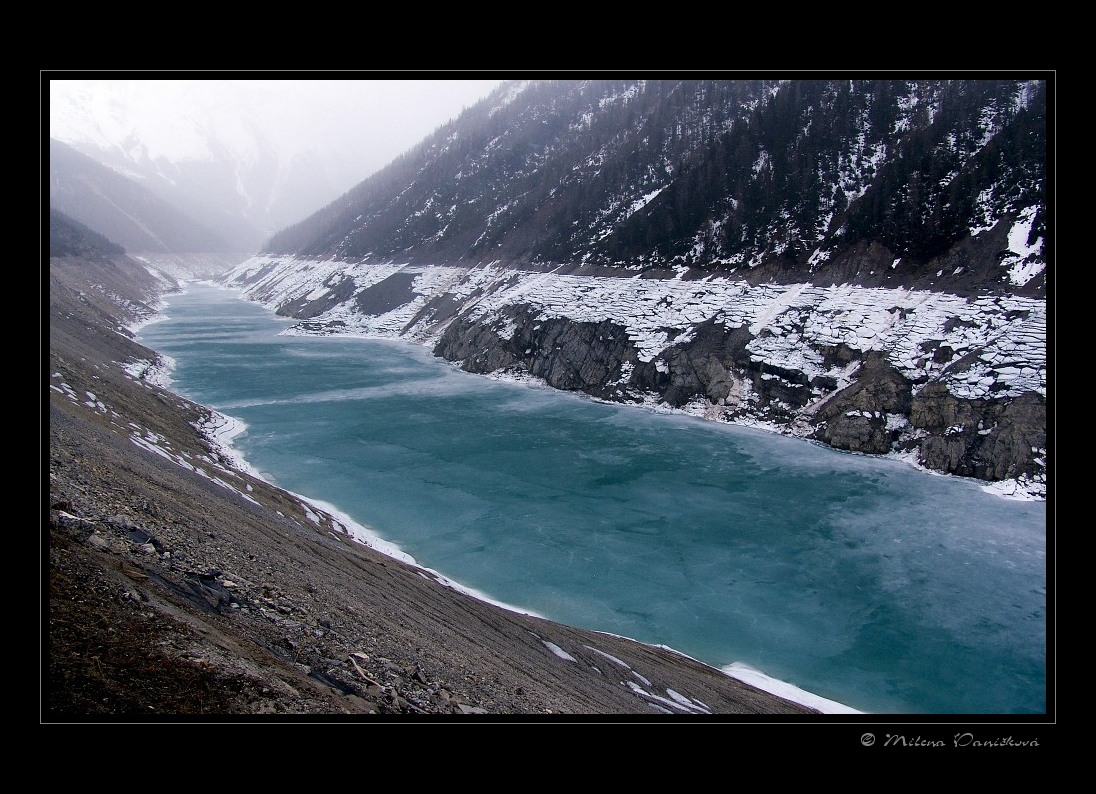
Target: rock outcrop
{"x":865,"y":416}
{"x":987,"y":439}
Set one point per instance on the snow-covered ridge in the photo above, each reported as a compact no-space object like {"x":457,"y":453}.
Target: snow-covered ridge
{"x":999,"y":340}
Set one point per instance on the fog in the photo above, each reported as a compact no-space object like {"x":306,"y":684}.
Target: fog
{"x":269,"y":151}
{"x":372,"y":120}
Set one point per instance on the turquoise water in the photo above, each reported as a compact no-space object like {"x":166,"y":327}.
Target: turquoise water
{"x":858,"y":579}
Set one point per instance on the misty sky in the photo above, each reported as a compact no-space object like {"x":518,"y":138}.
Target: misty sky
{"x":371,"y":121}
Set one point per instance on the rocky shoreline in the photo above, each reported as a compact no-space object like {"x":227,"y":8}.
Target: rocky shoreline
{"x":954,"y":384}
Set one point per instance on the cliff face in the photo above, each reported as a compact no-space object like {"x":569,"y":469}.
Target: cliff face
{"x":954,"y":384}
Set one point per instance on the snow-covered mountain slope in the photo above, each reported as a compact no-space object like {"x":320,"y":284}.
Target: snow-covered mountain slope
{"x":950,"y":383}
{"x":883,"y":183}
{"x":859,"y":262}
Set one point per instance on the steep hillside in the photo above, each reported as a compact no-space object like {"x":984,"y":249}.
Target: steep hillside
{"x":68,"y":237}
{"x":877,"y":182}
{"x":121,"y":209}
